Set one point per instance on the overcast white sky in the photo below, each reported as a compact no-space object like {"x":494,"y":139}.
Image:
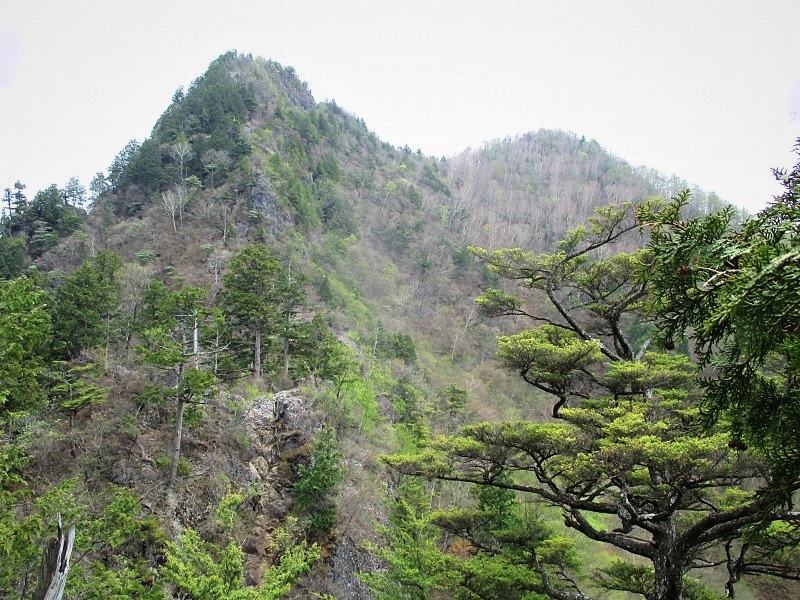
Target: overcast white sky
{"x":707,"y":90}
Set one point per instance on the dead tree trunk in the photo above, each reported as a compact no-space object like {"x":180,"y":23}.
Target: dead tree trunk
{"x":257,"y":355}
{"x":175,"y":453}
{"x":55,"y":565}
{"x":285,"y":374}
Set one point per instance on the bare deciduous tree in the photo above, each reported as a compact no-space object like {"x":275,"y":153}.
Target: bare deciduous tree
{"x":173,"y":200}
{"x":180,"y":151}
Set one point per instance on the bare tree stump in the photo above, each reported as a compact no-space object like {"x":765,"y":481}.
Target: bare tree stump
{"x":55,"y":565}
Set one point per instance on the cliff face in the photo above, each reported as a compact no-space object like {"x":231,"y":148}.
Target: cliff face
{"x":276,"y":426}
{"x":279,"y":428}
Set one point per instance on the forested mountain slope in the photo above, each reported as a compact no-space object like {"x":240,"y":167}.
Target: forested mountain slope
{"x":258,"y":242}
{"x":382,"y":232}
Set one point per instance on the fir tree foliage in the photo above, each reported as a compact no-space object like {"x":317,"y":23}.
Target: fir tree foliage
{"x":85,"y":306}
{"x":108,"y":523}
{"x":416,"y":568}
{"x":24,"y":326}
{"x":30,"y":228}
{"x":318,"y":481}
{"x":248,"y":297}
{"x":268,"y":300}
{"x":732,"y":290}
{"x":172,"y":341}
{"x":12,"y":256}
{"x":74,"y":386}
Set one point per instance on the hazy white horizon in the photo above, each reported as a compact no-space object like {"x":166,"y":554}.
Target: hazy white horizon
{"x":709,"y":91}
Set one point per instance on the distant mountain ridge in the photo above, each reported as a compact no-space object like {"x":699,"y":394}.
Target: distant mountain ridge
{"x":381,"y":231}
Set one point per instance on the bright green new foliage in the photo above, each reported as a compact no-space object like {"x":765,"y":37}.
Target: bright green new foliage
{"x":197,"y":573}
{"x":24,"y":325}
{"x":585,"y":303}
{"x":202,"y":571}
{"x":550,"y":358}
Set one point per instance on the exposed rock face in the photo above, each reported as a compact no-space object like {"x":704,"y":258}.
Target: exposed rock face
{"x":263,"y":199}
{"x":277,"y":423}
{"x":348,"y":560}
{"x":298,"y":92}
{"x":278,"y":428}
